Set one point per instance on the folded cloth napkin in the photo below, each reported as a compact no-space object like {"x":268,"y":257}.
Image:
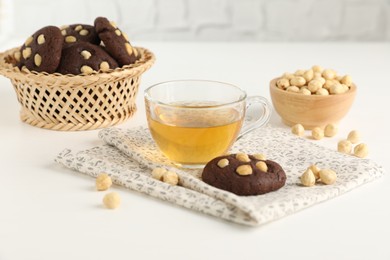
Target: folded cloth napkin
{"x":130,"y":155}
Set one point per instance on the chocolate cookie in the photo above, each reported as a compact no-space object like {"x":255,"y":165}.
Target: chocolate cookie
{"x":115,"y":41}
{"x":84,"y":57}
{"x":244,"y":174}
{"x":79,"y":32}
{"x":42,"y":50}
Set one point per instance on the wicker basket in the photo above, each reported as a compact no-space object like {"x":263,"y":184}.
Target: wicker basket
{"x":75,"y":102}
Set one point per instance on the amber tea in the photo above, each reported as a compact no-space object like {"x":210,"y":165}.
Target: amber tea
{"x":193,"y":136}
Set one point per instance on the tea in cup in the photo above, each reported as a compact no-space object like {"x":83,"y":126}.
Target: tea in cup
{"x":194,"y":121}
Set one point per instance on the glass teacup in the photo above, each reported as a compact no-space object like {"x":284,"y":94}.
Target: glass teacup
{"x":194,"y":121}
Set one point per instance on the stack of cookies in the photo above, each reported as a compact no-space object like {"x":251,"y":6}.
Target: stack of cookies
{"x":77,"y":49}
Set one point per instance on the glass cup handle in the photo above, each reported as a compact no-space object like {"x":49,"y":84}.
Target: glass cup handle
{"x":263,"y":118}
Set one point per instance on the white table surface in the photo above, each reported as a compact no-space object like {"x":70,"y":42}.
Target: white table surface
{"x":49,"y":212}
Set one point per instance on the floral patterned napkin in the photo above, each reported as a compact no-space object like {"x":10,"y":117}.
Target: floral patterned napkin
{"x":130,"y":155}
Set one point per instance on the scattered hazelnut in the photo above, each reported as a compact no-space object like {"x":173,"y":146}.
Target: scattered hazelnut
{"x":315,"y":170}
{"x":170,"y":178}
{"x":328,"y":176}
{"x":298,"y":129}
{"x":344,"y":146}
{"x":112,"y":200}
{"x":317,"y":133}
{"x":308,"y":179}
{"x":361,"y":150}
{"x":103,"y":182}
{"x":158,"y":173}
{"x":354,"y":137}
{"x":330,"y":130}
{"x":262,"y":166}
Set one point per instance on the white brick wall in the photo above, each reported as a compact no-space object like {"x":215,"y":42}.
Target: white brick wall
{"x":228,"y":20}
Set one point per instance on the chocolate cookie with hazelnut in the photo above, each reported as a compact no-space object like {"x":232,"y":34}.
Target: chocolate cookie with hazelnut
{"x":244,"y":174}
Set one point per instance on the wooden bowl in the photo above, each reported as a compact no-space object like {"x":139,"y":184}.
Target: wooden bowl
{"x":313,"y":110}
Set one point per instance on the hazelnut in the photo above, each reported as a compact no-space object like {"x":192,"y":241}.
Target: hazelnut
{"x":37,"y":60}
{"x":70,"y":39}
{"x":304,"y":91}
{"x":294,"y":89}
{"x":322,"y":92}
{"x":129,"y":49}
{"x":314,"y":85}
{"x":298,"y":81}
{"x":26,"y":53}
{"x":158,"y":173}
{"x":308,"y":179}
{"x":28,"y":41}
{"x":283,"y":83}
{"x":329,"y":74}
{"x":315,"y":170}
{"x":223,"y":163}
{"x":317,"y":133}
{"x":361,"y":150}
{"x":78,"y":28}
{"x":344,"y":146}
{"x":288,"y":76}
{"x":17,"y":55}
{"x":354,"y":136}
{"x":244,"y":169}
{"x":104,"y":66}
{"x":260,"y":156}
{"x":86,"y":54}
{"x":299,"y":72}
{"x":317,"y":68}
{"x":298,"y":130}
{"x":262,"y":166}
{"x":242,"y":157}
{"x":328,"y":176}
{"x":84,"y":32}
{"x":330,"y":130}
{"x":41,"y":39}
{"x":170,"y":178}
{"x":112,"y":200}
{"x":347,"y":80}
{"x":308,"y":75}
{"x":103,"y":182}
{"x":86,"y":69}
